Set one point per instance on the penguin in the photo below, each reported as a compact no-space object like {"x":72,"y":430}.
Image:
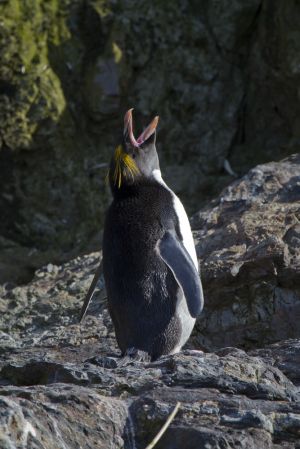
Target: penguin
{"x":149,"y":261}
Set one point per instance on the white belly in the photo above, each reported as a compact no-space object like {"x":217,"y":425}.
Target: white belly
{"x":186,"y":320}
{"x":184,"y":224}
{"x":187,"y":324}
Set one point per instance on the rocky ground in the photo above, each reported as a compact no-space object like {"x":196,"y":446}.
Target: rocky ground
{"x":61,"y":385}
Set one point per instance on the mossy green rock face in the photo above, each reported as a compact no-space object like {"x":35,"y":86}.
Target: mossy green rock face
{"x":223,"y":76}
{"x":31,"y":91}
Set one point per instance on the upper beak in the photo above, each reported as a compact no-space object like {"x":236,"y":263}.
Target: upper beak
{"x":128,"y":129}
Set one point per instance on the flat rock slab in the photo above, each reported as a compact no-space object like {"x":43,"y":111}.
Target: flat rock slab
{"x":226,"y":398}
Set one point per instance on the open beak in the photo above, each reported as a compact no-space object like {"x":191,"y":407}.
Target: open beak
{"x":128,"y":130}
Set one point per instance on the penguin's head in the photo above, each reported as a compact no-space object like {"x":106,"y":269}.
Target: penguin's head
{"x":134,"y":160}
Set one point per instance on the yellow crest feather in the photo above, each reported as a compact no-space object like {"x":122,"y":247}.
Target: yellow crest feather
{"x":123,"y":162}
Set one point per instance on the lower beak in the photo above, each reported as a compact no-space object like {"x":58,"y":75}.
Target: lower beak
{"x":148,"y":131}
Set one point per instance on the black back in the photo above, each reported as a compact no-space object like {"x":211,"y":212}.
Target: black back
{"x":141,"y":289}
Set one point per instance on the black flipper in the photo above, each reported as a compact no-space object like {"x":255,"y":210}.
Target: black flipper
{"x":90,"y":292}
{"x":180,"y":263}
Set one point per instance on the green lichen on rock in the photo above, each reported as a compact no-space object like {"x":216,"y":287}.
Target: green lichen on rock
{"x":31,"y":90}
{"x":43,"y":53}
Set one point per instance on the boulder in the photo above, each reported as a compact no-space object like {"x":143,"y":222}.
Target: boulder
{"x":248,"y":243}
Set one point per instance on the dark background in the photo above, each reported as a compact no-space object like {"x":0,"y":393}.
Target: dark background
{"x":223,"y":76}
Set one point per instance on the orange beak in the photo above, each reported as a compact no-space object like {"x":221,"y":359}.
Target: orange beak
{"x":128,"y":129}
{"x":148,"y":131}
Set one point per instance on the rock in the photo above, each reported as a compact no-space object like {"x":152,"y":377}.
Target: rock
{"x":285,"y":355}
{"x":248,"y":245}
{"x":234,"y":399}
{"x":226,"y":84}
{"x":102,"y":89}
{"x":60,"y":416}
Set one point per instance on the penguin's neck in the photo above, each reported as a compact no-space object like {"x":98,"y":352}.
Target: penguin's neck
{"x":156,"y":176}
{"x":133,"y":189}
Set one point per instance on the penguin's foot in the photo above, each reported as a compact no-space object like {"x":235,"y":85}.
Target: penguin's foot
{"x":133,"y":355}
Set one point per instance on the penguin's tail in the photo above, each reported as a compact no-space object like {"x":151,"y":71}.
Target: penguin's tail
{"x":90,"y":292}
